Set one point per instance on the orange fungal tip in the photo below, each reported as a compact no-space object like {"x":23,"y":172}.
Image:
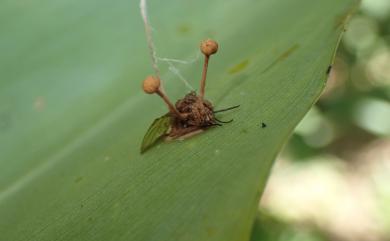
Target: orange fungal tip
{"x":209,"y":47}
{"x":151,"y":85}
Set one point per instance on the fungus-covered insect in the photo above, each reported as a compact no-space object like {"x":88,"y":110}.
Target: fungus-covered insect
{"x":189,"y":115}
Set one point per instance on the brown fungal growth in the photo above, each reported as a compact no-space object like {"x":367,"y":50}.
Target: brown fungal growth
{"x":189,"y":115}
{"x":196,"y":114}
{"x":207,"y":47}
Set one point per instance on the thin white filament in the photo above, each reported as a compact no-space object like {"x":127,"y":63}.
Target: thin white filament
{"x":176,"y":72}
{"x":149,"y":38}
{"x":153,"y":54}
{"x":191,"y":61}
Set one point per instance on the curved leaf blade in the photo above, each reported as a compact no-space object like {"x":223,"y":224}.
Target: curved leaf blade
{"x":72,"y":115}
{"x":157,"y":129}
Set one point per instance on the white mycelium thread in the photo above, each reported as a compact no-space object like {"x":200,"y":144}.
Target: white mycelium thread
{"x":176,"y":71}
{"x":148,"y":32}
{"x":152,"y":50}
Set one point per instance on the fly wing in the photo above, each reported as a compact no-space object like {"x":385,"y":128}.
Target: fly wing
{"x":158,"y":129}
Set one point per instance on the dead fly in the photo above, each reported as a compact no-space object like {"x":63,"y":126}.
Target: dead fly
{"x":190,"y":115}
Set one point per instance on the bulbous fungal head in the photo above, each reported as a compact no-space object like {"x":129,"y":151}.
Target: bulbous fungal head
{"x":151,"y":84}
{"x":208,"y":47}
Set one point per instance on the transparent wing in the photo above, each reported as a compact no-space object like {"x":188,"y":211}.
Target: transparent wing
{"x":157,"y":130}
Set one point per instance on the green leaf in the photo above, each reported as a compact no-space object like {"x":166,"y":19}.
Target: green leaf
{"x":158,"y":129}
{"x":73,"y":115}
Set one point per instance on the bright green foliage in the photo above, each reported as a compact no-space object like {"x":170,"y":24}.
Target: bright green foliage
{"x":73,"y":115}
{"x":157,"y":130}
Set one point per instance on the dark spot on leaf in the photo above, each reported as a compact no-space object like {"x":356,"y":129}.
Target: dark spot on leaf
{"x":329,"y":69}
{"x":77,"y":180}
{"x":239,"y":67}
{"x":183,"y":29}
{"x":244,"y":131}
{"x":282,"y":57}
{"x":263,"y":125}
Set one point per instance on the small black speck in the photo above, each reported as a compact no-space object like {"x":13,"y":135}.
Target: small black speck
{"x":329,"y":69}
{"x":263,"y":125}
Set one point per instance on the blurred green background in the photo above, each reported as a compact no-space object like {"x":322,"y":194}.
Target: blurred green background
{"x":332,"y":181}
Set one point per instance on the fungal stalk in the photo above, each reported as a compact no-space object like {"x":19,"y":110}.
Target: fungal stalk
{"x":152,"y":85}
{"x":207,"y":47}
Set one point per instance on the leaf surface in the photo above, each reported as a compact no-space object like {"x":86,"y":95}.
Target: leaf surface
{"x":73,"y":115}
